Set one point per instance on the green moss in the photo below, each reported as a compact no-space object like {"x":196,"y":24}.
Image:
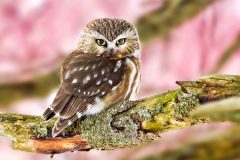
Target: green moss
{"x":161,"y":99}
{"x":99,"y":133}
{"x":173,"y":113}
{"x":21,"y":128}
{"x":23,"y":146}
{"x":213,"y":87}
{"x":185,"y":103}
{"x":126,"y":118}
{"x":127,"y":124}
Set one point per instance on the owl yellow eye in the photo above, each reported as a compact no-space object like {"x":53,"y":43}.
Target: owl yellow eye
{"x":121,"y":41}
{"x":101,"y":42}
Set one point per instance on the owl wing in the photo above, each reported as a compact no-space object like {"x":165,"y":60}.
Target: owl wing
{"x":85,"y":79}
{"x":86,"y":75}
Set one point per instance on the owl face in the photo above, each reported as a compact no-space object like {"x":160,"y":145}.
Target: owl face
{"x":114,"y":38}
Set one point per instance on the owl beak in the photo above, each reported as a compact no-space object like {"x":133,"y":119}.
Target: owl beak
{"x":119,"y":55}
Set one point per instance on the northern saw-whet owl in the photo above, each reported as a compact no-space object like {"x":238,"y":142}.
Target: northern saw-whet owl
{"x":102,"y":70}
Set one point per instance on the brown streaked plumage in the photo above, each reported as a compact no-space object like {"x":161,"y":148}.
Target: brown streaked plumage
{"x":104,"y":69}
{"x":109,"y":28}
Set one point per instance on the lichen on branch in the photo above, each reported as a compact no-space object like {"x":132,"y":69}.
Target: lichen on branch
{"x":204,"y":146}
{"x":125,"y":124}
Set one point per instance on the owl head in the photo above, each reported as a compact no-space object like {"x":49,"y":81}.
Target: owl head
{"x":113,"y":38}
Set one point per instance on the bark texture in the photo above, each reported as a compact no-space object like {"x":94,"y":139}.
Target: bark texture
{"x":125,"y":124}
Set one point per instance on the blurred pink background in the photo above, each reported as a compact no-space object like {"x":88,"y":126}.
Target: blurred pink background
{"x":36,"y":35}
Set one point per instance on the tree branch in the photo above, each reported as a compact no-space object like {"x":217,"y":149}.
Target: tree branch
{"x":124,"y":124}
{"x":161,"y":21}
{"x":234,"y":47}
{"x":204,"y":146}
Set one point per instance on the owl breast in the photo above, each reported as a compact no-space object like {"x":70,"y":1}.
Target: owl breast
{"x":128,"y":88}
{"x":134,"y":79}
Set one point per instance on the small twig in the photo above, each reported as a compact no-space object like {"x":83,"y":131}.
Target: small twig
{"x":227,"y":55}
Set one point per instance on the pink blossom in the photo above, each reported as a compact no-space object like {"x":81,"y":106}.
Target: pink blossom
{"x":34,"y":34}
{"x":193,"y":49}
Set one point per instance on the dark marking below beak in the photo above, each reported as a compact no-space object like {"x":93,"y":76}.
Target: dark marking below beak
{"x":111,"y":51}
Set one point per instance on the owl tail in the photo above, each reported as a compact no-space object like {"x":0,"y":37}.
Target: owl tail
{"x":61,"y":124}
{"x":57,"y":106}
{"x":48,"y":114}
